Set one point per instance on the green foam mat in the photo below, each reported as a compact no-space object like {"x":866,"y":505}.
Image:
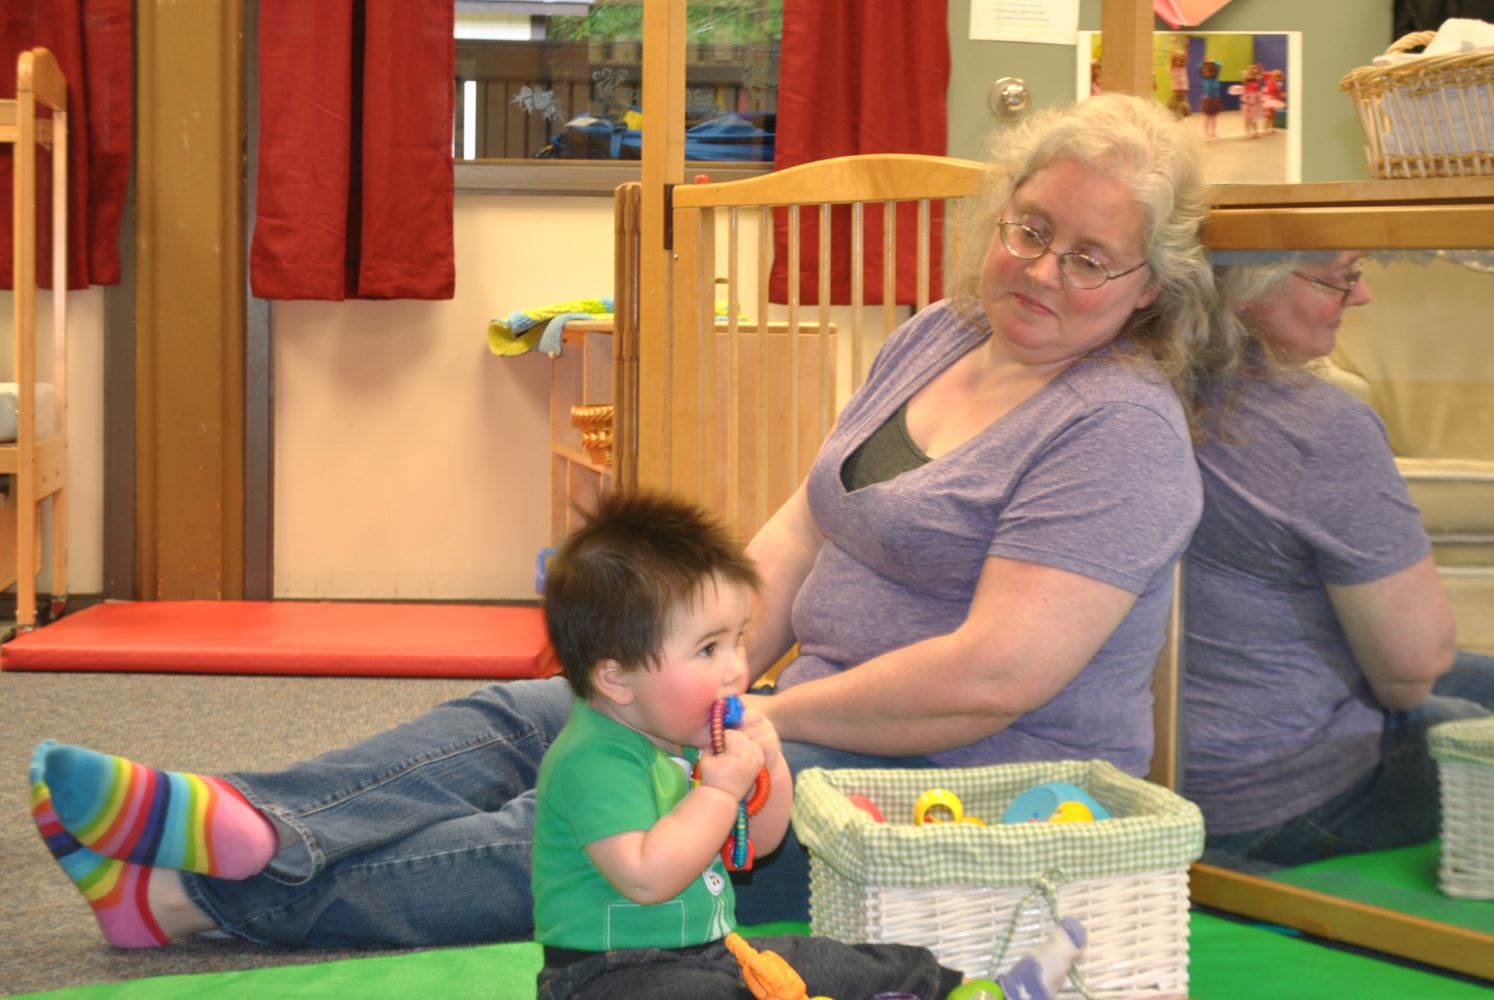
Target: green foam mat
{"x":1229,"y":961}
{"x":1234,"y":961}
{"x":484,"y":972}
{"x":1404,"y":880}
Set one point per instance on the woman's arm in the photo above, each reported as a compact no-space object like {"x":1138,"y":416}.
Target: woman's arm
{"x":1401,"y":631}
{"x":1031,"y":629}
{"x":784,"y":550}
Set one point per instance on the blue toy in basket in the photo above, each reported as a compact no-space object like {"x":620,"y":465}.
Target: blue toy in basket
{"x":1054,"y":802}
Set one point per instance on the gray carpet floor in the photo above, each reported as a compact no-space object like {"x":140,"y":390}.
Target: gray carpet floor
{"x":48,"y":938}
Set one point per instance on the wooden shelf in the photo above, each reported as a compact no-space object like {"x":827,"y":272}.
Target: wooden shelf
{"x":1442,"y":190}
{"x":1433,"y":214}
{"x":580,"y":375}
{"x":576,"y":455}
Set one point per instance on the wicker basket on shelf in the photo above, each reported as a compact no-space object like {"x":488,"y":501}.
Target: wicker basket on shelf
{"x":983,"y":896}
{"x":594,"y":421}
{"x":1464,"y":751}
{"x":1427,"y":117}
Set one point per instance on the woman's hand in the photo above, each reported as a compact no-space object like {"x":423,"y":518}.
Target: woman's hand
{"x":757,"y":728}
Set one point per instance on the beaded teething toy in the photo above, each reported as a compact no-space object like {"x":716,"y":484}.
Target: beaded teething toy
{"x":738,"y":853}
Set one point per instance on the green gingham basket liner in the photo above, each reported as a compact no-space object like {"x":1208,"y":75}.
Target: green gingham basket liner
{"x":1150,"y":827}
{"x":1470,"y":741}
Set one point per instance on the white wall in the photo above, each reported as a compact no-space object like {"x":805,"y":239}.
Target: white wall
{"x":410,"y":462}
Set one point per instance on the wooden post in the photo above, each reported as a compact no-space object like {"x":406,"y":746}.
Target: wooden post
{"x":663,"y":165}
{"x":189,"y":417}
{"x":1126,"y":47}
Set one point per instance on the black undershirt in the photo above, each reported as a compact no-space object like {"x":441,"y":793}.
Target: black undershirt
{"x":887,"y":454}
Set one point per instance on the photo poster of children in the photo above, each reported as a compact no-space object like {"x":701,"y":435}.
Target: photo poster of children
{"x":1254,"y":127}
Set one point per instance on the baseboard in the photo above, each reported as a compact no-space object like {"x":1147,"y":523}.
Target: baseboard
{"x":75,"y":602}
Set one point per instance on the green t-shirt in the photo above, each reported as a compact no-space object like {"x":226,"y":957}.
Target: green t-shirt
{"x":601,"y":778}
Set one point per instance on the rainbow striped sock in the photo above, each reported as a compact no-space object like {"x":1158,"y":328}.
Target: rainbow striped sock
{"x":161,"y":819}
{"x":115,"y":889}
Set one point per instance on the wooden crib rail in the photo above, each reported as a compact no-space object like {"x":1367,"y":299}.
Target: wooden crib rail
{"x":752,"y":386}
{"x":37,"y":72}
{"x":843,"y":180}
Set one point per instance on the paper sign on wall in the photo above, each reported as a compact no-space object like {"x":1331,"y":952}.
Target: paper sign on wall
{"x":1053,"y":22}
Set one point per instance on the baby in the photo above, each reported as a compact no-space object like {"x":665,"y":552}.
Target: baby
{"x":647,"y":605}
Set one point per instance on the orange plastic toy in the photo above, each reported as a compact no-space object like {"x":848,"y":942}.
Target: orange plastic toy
{"x":767,"y":975}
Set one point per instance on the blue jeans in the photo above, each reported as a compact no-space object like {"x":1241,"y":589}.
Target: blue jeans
{"x":1396,"y":805}
{"x":417,"y":836}
{"x":420,"y":836}
{"x":777,"y":888}
{"x":1471,"y":678}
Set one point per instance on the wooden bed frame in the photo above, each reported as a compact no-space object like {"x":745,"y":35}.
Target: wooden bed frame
{"x":37,"y":468}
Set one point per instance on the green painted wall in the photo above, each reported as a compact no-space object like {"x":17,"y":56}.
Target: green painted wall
{"x":1337,"y":36}
{"x":1235,"y":52}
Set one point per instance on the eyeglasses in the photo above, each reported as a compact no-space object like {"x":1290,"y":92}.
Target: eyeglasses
{"x":1346,"y":290}
{"x":1081,"y":270}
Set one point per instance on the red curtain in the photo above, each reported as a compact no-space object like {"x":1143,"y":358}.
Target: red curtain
{"x":858,"y":78}
{"x":355,"y":188}
{"x":91,"y":40}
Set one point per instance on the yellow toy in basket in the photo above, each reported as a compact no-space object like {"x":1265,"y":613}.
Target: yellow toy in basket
{"x":934,"y":805}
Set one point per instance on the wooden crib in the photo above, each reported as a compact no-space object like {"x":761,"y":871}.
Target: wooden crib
{"x":740,"y":424}
{"x":36,"y":461}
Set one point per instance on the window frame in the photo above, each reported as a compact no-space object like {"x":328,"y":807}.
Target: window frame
{"x":578,"y":177}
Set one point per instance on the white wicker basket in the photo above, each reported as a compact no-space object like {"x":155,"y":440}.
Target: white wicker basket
{"x":1428,"y":117}
{"x":982,"y":897}
{"x":1464,"y":751}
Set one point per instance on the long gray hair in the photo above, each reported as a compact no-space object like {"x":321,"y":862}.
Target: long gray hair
{"x":1138,"y":142}
{"x":1239,"y":350}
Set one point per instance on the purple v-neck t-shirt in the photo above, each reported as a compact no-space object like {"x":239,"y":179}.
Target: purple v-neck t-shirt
{"x":1093,"y":474}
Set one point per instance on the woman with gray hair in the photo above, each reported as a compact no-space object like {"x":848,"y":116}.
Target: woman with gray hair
{"x":977,"y":570}
{"x":1316,"y":623}
{"x":979,"y":565}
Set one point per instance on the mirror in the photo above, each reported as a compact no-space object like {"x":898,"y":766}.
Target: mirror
{"x":1419,"y":355}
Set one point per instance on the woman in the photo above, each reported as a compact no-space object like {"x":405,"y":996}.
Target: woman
{"x":1023,"y":558}
{"x":1016,"y":455}
{"x":1316,"y":623}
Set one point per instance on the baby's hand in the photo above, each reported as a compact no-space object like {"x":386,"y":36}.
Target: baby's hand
{"x":760,"y":731}
{"x":735,"y":770}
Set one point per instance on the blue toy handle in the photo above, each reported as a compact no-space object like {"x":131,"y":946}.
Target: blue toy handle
{"x":1039,"y":802}
{"x":731,"y":715}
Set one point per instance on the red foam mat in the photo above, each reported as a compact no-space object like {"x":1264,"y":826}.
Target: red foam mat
{"x":290,"y":637}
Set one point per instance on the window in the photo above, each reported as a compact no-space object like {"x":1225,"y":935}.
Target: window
{"x":561,"y":80}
